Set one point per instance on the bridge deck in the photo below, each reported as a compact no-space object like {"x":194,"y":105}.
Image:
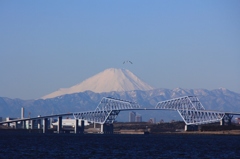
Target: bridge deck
{"x":35,"y":118}
{"x":135,"y":109}
{"x":189,"y":108}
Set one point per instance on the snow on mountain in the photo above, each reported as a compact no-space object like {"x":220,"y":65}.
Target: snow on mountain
{"x":107,"y":81}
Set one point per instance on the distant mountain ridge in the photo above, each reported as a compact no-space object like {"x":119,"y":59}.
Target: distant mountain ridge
{"x":107,"y":81}
{"x":219,"y":99}
{"x":120,"y":84}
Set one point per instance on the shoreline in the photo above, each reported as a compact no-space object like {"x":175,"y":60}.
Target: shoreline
{"x":129,"y":132}
{"x":226,"y":132}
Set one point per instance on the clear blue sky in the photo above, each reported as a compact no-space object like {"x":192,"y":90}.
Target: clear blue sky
{"x":47,"y":45}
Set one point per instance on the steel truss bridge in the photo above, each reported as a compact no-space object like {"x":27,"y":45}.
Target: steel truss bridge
{"x":189,"y":108}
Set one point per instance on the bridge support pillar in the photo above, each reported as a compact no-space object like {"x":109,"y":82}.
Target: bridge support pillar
{"x":59,"y":129}
{"x":39,"y":121}
{"x":106,"y":128}
{"x":230,"y":119}
{"x":82,"y":126}
{"x":45,"y":125}
{"x":23,"y":124}
{"x":110,"y":128}
{"x":226,"y":119}
{"x":222,"y":122}
{"x":191,"y":128}
{"x":76,"y":128}
{"x":15,"y":124}
{"x":32,"y":124}
{"x":50,"y":122}
{"x":102,"y":128}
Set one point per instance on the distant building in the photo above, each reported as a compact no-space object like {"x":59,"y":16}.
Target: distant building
{"x":172,"y":121}
{"x":138,"y":118}
{"x":69,"y":123}
{"x":9,"y":118}
{"x":152,"y":120}
{"x":238,"y":120}
{"x":161,"y":121}
{"x":132,"y":116}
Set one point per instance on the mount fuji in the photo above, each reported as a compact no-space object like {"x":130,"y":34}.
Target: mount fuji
{"x":109,"y":80}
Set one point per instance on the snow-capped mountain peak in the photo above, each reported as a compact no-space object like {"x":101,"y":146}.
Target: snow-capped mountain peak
{"x":109,"y":80}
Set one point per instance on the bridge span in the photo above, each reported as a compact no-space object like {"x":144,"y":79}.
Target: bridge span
{"x":189,"y":108}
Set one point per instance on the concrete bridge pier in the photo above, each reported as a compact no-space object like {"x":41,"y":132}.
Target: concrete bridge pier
{"x":191,"y":128}
{"x":45,"y":125}
{"x":23,"y":124}
{"x":59,"y":127}
{"x":15,"y":124}
{"x":229,"y":119}
{"x":222,"y":122}
{"x":110,"y":129}
{"x":226,"y":119}
{"x":82,"y":127}
{"x":39,"y":121}
{"x":106,"y":129}
{"x":76,"y":128}
{"x":101,"y":129}
{"x":50,"y":122}
{"x":32,"y":124}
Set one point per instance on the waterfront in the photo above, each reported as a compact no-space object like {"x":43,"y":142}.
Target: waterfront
{"x":22,"y":145}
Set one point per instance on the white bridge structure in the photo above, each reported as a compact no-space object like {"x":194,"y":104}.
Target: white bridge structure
{"x":189,"y":108}
{"x":107,"y":110}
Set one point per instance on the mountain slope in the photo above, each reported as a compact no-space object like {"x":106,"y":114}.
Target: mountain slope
{"x":107,"y":81}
